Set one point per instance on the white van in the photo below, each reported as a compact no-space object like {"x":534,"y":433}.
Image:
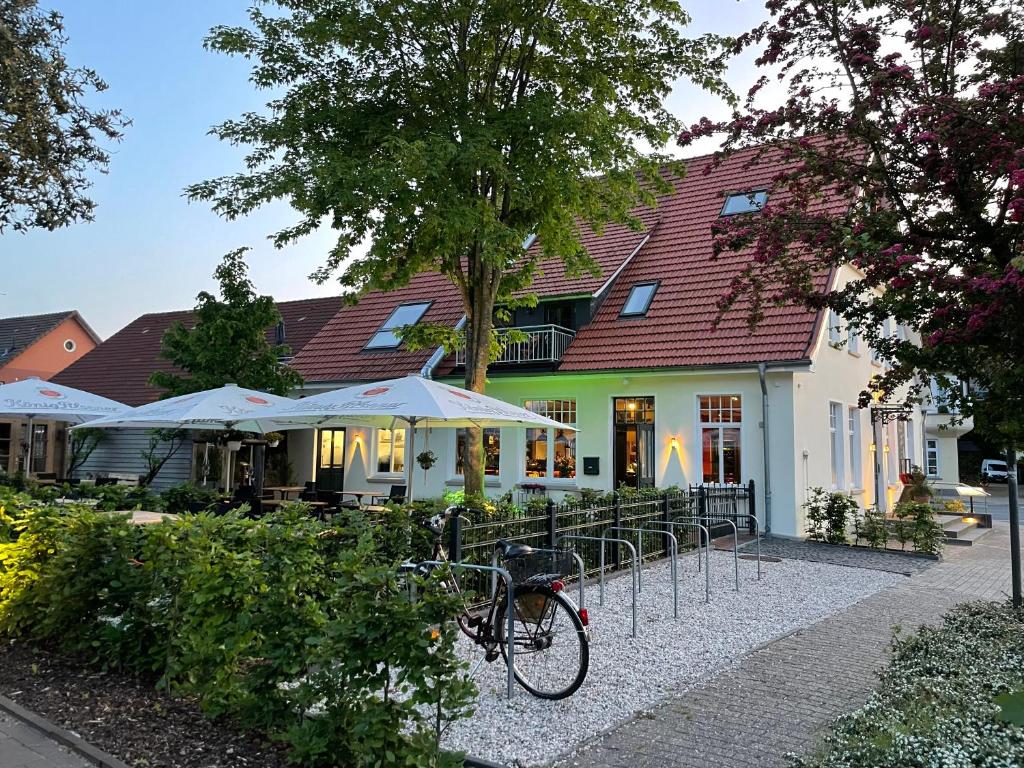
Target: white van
{"x":994,"y":471}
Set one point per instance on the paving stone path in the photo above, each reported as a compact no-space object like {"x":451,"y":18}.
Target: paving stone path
{"x":22,"y":746}
{"x":781,"y":698}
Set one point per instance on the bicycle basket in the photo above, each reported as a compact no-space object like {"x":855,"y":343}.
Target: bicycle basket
{"x":526,"y":567}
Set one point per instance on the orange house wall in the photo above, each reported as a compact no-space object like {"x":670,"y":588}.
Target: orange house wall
{"x":47,"y":356}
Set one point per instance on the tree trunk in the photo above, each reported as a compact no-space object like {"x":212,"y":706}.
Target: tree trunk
{"x":479,"y":322}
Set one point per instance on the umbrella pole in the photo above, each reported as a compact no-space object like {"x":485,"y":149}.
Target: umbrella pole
{"x":410,"y":471}
{"x":31,"y":436}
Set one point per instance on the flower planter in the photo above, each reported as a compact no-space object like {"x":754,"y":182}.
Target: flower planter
{"x":234,"y":445}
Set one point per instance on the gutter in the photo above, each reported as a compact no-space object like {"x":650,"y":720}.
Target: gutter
{"x":762,"y":370}
{"x":427,"y":371}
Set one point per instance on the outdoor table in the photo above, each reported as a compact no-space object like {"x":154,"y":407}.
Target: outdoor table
{"x":284,"y":491}
{"x":360,"y":494}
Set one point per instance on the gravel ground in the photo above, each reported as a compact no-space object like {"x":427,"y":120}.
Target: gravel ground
{"x":669,"y":655}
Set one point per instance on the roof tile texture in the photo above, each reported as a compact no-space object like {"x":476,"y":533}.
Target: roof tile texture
{"x":120,"y":367}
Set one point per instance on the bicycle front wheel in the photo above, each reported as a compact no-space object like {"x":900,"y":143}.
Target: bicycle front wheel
{"x":552,"y":652}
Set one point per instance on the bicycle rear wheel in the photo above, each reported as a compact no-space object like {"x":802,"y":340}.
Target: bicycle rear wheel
{"x":552,"y":652}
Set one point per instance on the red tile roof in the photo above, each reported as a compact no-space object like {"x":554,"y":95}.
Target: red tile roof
{"x":120,"y":367}
{"x":676,"y":331}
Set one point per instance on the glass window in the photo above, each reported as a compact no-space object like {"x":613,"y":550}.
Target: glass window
{"x":639,"y":300}
{"x":932,"y":458}
{"x":332,"y":448}
{"x":835,"y":427}
{"x":834,"y":328}
{"x":40,"y":443}
{"x":391,"y":450}
{"x":721,"y":446}
{"x":492,"y":451}
{"x":404,"y":314}
{"x":853,"y":430}
{"x":744,"y":202}
{"x":852,"y":339}
{"x":551,"y":452}
{"x":634,"y":410}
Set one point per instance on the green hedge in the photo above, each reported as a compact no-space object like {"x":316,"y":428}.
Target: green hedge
{"x":936,"y":704}
{"x":293,"y":627}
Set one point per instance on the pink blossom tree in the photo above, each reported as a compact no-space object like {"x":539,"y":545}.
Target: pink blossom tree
{"x":912,"y":110}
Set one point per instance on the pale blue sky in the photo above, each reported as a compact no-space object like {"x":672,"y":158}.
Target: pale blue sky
{"x":148,"y":249}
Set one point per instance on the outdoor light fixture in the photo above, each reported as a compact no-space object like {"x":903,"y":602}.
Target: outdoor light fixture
{"x":969,"y":520}
{"x":673,"y":445}
{"x":872,"y":447}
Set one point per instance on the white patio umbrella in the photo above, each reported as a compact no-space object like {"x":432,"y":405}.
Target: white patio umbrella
{"x":412,"y":400}
{"x":226,"y":408}
{"x":35,"y":398}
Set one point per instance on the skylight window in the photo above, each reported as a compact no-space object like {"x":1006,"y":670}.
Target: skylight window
{"x":402,"y":315}
{"x":639,"y":300}
{"x":744,"y":202}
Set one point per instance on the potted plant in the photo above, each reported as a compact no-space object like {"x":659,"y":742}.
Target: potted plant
{"x":426,"y":459}
{"x":273,"y":439}
{"x":233,"y":440}
{"x":919,"y":488}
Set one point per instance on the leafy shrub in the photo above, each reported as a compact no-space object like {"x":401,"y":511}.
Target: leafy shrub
{"x":188,"y":497}
{"x":937,"y":701}
{"x":828,"y":515}
{"x":874,"y":529}
{"x":286,"y":624}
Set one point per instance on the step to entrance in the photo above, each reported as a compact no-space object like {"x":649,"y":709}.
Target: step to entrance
{"x":961,"y":531}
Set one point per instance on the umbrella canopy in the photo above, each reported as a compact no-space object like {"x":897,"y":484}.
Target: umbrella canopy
{"x":38,"y":399}
{"x":412,"y":399}
{"x":225,"y":408}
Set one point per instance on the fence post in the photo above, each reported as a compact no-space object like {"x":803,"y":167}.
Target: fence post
{"x":665,"y":518}
{"x":616,"y":521}
{"x":702,"y":513}
{"x":552,"y":523}
{"x":752,"y":507}
{"x":455,"y":539}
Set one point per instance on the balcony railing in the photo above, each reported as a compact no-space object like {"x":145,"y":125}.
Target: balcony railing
{"x":543,"y":344}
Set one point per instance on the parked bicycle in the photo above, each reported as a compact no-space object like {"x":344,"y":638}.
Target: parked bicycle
{"x":550,"y":642}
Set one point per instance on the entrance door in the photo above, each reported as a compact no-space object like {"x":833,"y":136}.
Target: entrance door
{"x":633,"y":422}
{"x":330,"y":465}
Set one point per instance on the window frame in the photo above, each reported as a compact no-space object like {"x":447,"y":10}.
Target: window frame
{"x":653,"y":285}
{"x":549,"y":472}
{"x":729,"y":196}
{"x":392,"y":472}
{"x":852,"y":340}
{"x":853,"y":437}
{"x":389,"y":327}
{"x":835,"y":329}
{"x":931,"y":450}
{"x":720,"y":426}
{"x":455,"y":475}
{"x":837,"y":458}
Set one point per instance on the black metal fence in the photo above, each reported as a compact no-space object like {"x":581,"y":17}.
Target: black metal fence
{"x":472,"y":537}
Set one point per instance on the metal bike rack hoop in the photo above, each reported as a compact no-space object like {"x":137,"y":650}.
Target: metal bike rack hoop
{"x":673,"y":557}
{"x":632,"y":566}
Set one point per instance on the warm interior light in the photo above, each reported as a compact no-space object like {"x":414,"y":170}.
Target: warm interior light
{"x":631,"y":406}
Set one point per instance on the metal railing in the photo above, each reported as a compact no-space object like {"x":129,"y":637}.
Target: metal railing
{"x":543,"y":344}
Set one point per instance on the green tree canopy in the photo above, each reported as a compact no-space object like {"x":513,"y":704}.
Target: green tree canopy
{"x":48,"y":137}
{"x":228,"y":342}
{"x":445,"y":132}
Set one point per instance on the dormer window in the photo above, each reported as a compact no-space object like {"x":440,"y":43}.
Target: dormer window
{"x":639,"y":300}
{"x":402,"y":315}
{"x":744,"y":202}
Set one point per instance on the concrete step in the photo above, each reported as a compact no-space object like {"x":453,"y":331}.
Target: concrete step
{"x":958,"y":528}
{"x":945,"y":520}
{"x":967,"y":538}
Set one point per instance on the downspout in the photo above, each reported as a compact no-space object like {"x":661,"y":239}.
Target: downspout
{"x":427,"y":371}
{"x":761,"y":374}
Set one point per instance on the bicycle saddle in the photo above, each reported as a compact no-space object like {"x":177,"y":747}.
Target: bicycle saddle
{"x":509,"y":550}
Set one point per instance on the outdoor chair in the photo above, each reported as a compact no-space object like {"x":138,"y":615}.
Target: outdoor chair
{"x":395,"y":496}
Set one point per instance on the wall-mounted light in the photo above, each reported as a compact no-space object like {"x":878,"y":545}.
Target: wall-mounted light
{"x":673,"y":444}
{"x":872,"y":447}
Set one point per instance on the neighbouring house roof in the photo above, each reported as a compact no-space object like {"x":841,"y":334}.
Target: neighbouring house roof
{"x":120,"y":367}
{"x":19,"y":333}
{"x":674,"y":250}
